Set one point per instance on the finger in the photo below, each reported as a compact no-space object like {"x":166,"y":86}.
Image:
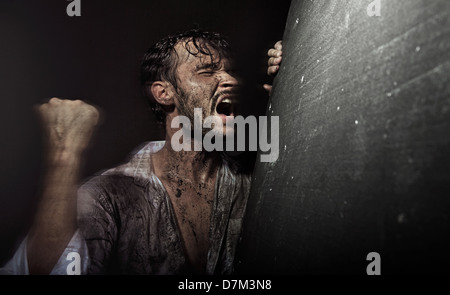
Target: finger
{"x":274,"y":61}
{"x":279,"y":45}
{"x":274,"y":52}
{"x":272,"y":70}
{"x":55,"y":100}
{"x":95,"y":113}
{"x":268,"y":88}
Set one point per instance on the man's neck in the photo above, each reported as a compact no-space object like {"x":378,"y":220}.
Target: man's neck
{"x":193,"y":166}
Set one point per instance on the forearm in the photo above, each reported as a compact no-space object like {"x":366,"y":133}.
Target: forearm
{"x":56,"y":218}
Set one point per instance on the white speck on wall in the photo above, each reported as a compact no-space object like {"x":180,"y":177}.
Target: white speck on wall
{"x":389,"y":94}
{"x":303,"y":78}
{"x":342,"y":90}
{"x":418,"y":48}
{"x":401,"y":218}
{"x":395,"y":83}
{"x":270,"y":189}
{"x":356,"y":122}
{"x":270,"y":106}
{"x":292,"y":177}
{"x":285,"y":147}
{"x":318,"y":61}
{"x":338,"y":108}
{"x":296,"y":21}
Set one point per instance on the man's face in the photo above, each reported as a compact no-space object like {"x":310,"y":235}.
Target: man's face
{"x":204,"y":83}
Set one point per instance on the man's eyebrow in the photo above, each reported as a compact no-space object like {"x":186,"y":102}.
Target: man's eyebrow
{"x":211,"y":66}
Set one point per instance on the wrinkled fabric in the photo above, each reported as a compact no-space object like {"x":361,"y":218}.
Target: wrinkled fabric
{"x":129,"y":225}
{"x":126,"y":223}
{"x":18,"y":264}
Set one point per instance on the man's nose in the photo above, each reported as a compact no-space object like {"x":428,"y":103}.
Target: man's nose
{"x":228,"y":80}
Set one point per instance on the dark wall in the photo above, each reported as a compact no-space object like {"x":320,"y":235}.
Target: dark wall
{"x":95,"y":57}
{"x":364,"y":165}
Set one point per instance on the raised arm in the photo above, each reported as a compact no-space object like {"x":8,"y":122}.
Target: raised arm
{"x":68,"y":126}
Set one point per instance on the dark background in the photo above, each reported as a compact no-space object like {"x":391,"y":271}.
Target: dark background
{"x":44,"y":53}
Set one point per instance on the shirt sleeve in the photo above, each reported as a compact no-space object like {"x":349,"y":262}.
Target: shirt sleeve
{"x":74,"y":259}
{"x":18,"y":264}
{"x":98,"y":223}
{"x":89,"y":250}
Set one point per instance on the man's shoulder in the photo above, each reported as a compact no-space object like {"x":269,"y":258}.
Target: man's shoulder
{"x":106,"y":182}
{"x":135,"y":171}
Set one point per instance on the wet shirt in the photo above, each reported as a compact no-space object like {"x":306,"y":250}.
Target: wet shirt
{"x":129,"y":226}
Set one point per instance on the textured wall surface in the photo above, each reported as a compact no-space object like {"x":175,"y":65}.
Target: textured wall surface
{"x":364,"y":165}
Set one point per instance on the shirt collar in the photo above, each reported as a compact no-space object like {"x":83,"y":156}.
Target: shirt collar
{"x":139,"y":165}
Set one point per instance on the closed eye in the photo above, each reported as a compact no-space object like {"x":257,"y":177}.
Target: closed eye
{"x":207,"y":73}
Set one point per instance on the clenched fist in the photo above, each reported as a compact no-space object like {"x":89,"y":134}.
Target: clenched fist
{"x":68,"y":124}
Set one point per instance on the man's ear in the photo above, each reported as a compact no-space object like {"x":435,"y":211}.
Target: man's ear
{"x":162,"y":92}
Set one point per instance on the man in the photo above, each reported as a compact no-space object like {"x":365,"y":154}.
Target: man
{"x":163,"y":212}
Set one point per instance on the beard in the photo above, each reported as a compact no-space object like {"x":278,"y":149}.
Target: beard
{"x":187,"y":104}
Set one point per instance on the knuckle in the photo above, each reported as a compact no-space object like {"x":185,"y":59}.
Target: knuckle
{"x":54,"y":100}
{"x":272,"y":70}
{"x":77,"y":103}
{"x":92,"y":112}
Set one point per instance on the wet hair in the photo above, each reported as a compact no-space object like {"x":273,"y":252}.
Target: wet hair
{"x":161,"y":60}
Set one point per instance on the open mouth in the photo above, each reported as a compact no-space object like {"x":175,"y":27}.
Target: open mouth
{"x":225,"y":107}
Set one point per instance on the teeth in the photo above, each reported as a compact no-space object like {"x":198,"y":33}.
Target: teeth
{"x":226,"y":100}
